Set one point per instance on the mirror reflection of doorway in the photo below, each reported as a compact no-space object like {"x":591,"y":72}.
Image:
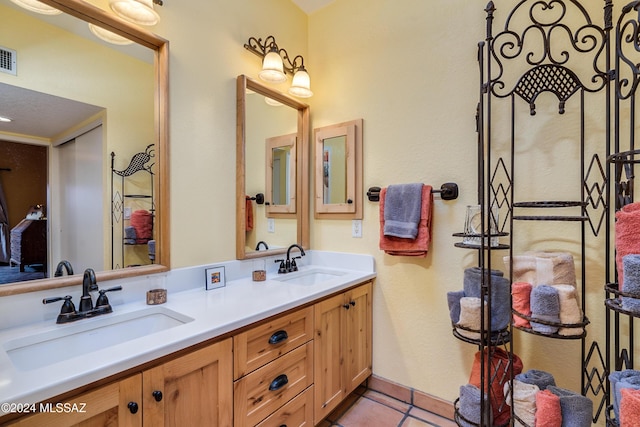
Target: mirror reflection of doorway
{"x":24,"y":184}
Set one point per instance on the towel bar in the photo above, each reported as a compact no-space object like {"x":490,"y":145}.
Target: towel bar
{"x":448,"y":191}
{"x":259,"y":198}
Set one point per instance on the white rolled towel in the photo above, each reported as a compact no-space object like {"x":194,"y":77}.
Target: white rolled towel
{"x":470,"y":309}
{"x":524,"y":402}
{"x":570,"y":311}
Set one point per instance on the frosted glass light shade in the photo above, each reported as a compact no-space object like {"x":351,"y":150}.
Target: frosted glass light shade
{"x":272,"y":68}
{"x":137,"y":11}
{"x":108,"y":36}
{"x":301,"y":84}
{"x":272,"y":102}
{"x":38,"y":7}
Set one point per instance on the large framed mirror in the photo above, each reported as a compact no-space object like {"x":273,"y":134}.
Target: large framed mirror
{"x":272,"y":158}
{"x":120,"y":129}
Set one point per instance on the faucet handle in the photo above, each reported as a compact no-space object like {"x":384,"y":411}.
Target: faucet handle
{"x":281,"y":268}
{"x":102,"y":300}
{"x":294,"y":266}
{"x":67,"y":306}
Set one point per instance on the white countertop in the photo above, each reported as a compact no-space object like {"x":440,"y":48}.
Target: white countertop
{"x":215,"y":312}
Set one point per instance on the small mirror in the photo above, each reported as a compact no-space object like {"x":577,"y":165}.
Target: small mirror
{"x":281,"y":175}
{"x":338,"y":171}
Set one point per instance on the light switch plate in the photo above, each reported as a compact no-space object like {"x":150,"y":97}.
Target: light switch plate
{"x":271,"y":225}
{"x":127,"y":213}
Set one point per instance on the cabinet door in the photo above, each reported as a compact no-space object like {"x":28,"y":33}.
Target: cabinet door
{"x":357,"y":338}
{"x":328,"y":360}
{"x":192,"y":390}
{"x":104,"y":406}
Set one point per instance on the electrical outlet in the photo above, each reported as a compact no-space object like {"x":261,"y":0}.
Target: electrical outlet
{"x":356,"y":228}
{"x":127,"y":213}
{"x":271,"y":225}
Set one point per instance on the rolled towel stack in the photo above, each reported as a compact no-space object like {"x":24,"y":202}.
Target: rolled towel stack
{"x":548,"y":410}
{"x":627,"y":236}
{"x":627,"y":379}
{"x":470,"y":312}
{"x":540,"y":378}
{"x":524,"y":402}
{"x":500,"y":294}
{"x":576,"y":409}
{"x":570,"y":311}
{"x":521,"y":301}
{"x":630,"y":408}
{"x":543,"y":268}
{"x":470,"y":408}
{"x":631,"y":282}
{"x":142,"y":221}
{"x":501,"y":367}
{"x":545,"y":305}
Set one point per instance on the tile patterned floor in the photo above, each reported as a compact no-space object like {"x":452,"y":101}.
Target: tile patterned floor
{"x":369,"y":408}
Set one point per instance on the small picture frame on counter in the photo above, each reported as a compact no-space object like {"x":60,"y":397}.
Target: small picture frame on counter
{"x":214,"y":278}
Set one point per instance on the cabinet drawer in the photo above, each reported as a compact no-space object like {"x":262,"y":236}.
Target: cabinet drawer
{"x":297,"y":413}
{"x":263,"y":391}
{"x":264,"y":343}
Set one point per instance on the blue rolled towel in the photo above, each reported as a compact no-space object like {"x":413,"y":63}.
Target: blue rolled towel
{"x":469,"y":407}
{"x":576,"y":409}
{"x":540,"y":378}
{"x":402,"y":210}
{"x":453,"y":301}
{"x":629,"y":378}
{"x":500,"y":294}
{"x":130,"y":235}
{"x":545,"y":305}
{"x":631,"y":282}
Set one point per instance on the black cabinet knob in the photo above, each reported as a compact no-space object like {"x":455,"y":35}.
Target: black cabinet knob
{"x":347,"y":306}
{"x":133,"y":407}
{"x":349,"y":201}
{"x":157,"y":395}
{"x":353,"y":303}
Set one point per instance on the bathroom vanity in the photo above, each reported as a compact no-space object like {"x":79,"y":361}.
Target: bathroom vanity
{"x":285,"y":351}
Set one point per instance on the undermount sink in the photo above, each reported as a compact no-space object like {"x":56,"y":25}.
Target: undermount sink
{"x":86,"y":336}
{"x":310,"y":277}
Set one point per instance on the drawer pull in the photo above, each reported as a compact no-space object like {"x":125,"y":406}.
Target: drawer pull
{"x":278,"y":337}
{"x":279,"y":382}
{"x":157,"y":395}
{"x":133,"y":407}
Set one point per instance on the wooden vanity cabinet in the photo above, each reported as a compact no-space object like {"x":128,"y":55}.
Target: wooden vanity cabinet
{"x":104,"y":406}
{"x":342,"y":344}
{"x":191,"y":390}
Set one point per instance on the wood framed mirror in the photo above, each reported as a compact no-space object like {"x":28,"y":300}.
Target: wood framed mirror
{"x":84,"y":13}
{"x":338,"y":170}
{"x":265,"y":115}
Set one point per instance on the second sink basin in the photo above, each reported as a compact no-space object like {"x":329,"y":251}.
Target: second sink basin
{"x":310,"y":277}
{"x":46,"y":348}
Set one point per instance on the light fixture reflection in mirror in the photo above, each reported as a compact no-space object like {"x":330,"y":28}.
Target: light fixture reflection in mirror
{"x":37,"y":6}
{"x":159,"y":135}
{"x":278,"y":224}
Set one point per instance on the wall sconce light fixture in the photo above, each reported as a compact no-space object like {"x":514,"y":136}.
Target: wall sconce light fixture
{"x":276,"y":62}
{"x":36,"y":6}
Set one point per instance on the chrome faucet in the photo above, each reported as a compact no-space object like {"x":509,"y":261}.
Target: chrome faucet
{"x":86,"y":309}
{"x":66,"y":265}
{"x":263,"y":243}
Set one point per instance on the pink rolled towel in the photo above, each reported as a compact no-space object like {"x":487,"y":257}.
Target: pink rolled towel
{"x":627,"y":236}
{"x":548,"y":410}
{"x":520,"y":297}
{"x":630,"y":408}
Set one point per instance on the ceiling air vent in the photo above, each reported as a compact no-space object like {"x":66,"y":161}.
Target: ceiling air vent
{"x":7,"y":60}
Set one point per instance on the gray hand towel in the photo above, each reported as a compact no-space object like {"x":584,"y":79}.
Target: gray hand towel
{"x":576,"y":409}
{"x":453,"y":301}
{"x":540,"y":378}
{"x":631,"y":282}
{"x":130,"y":236}
{"x":402,"y":209}
{"x":545,"y":305}
{"x":629,"y":378}
{"x":500,"y":294}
